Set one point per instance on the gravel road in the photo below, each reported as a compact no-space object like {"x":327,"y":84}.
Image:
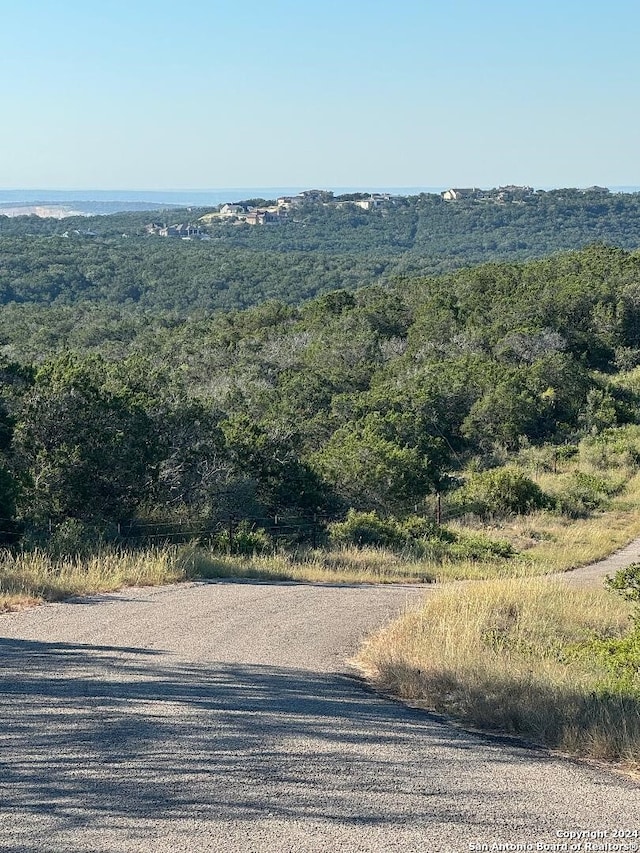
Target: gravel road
{"x":595,"y":574}
{"x":223,"y":717}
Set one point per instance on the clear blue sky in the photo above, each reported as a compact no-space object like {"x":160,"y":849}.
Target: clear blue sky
{"x":159,"y":94}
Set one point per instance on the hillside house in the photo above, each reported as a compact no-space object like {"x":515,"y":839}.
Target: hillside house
{"x":458,"y":194}
{"x":374,"y":201}
{"x":183,"y":231}
{"x":289,"y":201}
{"x":228,"y":210}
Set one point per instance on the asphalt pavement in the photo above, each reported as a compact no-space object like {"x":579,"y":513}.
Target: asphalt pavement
{"x":224,"y":717}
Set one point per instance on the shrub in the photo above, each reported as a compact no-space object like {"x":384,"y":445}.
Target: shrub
{"x":613,"y":447}
{"x":502,"y":491}
{"x":366,"y":528}
{"x":246,"y":540}
{"x":619,"y":656}
{"x":584,"y":494}
{"x":422,"y":536}
{"x":477,"y":546}
{"x":75,"y":538}
{"x":626,"y":581}
{"x":418,"y":527}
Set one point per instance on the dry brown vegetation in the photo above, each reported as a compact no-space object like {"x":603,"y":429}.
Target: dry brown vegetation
{"x":498,"y":655}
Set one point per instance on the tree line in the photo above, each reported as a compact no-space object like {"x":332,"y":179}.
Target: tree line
{"x":373,"y":400}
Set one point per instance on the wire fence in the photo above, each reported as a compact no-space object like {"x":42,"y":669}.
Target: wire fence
{"x":226,"y":531}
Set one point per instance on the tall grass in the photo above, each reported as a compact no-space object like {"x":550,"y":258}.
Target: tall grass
{"x":545,"y":544}
{"x":31,"y":577}
{"x":498,"y":655}
{"x":550,"y":543}
{"x":339,"y":565}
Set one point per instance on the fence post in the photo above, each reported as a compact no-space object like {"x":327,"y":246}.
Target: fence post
{"x":230,"y":534}
{"x":438,"y":508}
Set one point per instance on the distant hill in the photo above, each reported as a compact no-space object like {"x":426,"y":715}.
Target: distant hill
{"x":304,"y":247}
{"x":64,"y":210}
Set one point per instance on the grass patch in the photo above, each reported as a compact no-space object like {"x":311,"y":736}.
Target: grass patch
{"x":32,"y":577}
{"x":543,"y":544}
{"x":549,"y":543}
{"x":535,"y":544}
{"x":28,"y":578}
{"x":501,"y":655}
{"x":340,"y":565}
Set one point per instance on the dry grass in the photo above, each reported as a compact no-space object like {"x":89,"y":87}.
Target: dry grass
{"x":550,"y":543}
{"x":33,"y":577}
{"x":343,"y":565}
{"x":494,"y":655}
{"x":545,"y":543}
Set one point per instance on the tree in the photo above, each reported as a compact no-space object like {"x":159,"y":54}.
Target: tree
{"x":371,"y":470}
{"x":88,"y":453}
{"x":268,"y":454}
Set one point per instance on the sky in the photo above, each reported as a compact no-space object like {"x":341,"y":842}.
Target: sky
{"x":152,"y":94}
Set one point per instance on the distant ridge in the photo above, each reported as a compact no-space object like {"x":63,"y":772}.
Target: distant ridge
{"x":86,"y":202}
{"x":92,"y":202}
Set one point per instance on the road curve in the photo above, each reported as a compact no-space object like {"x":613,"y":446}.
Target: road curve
{"x":595,"y":573}
{"x":223,"y":717}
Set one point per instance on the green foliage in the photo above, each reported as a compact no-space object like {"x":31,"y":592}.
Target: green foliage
{"x":369,"y":467}
{"x":247,"y":540}
{"x":583,"y":494}
{"x":599,"y":411}
{"x":421,"y":536}
{"x":88,"y":453}
{"x":478,"y":546}
{"x":156,"y":404}
{"x":9,"y":496}
{"x":73,"y":537}
{"x":626,"y":581}
{"x":504,"y":414}
{"x":366,"y":528}
{"x":267,"y":454}
{"x":618,"y":657}
{"x":501,"y":491}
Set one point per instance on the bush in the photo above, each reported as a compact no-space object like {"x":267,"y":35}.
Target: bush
{"x":613,"y":448}
{"x":626,"y":582}
{"x":247,"y":540}
{"x":75,"y":538}
{"x":418,"y":527}
{"x":619,"y":656}
{"x":422,"y":536}
{"x":477,"y":546}
{"x":584,"y":494}
{"x":366,"y":528}
{"x":502,"y":491}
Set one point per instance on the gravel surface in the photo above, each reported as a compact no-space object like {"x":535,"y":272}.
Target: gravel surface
{"x":595,"y":574}
{"x":223,"y":717}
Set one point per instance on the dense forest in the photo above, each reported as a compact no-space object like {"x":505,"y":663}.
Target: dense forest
{"x":317,"y":247}
{"x":373,"y":399}
{"x":95,"y":284}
